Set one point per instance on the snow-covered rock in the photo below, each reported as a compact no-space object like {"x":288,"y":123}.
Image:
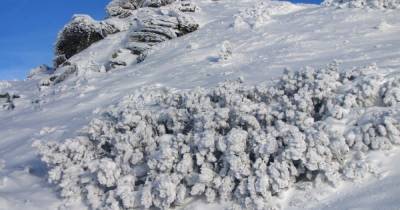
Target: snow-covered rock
{"x":40,"y":72}
{"x":79,"y":34}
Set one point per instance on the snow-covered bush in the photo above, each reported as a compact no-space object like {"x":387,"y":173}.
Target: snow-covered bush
{"x":121,"y":58}
{"x":226,"y":51}
{"x":7,"y":100}
{"x":376,"y":130}
{"x":390,"y":92}
{"x":376,"y":4}
{"x":58,"y":76}
{"x":232,"y":142}
{"x":79,"y":34}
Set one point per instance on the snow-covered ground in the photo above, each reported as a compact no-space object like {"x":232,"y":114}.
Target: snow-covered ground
{"x":265,"y":37}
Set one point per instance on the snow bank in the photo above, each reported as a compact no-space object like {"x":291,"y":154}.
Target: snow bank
{"x":240,"y":143}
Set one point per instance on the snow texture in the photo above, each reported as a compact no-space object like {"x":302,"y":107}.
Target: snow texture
{"x":233,"y":142}
{"x":375,"y":4}
{"x":323,"y":136}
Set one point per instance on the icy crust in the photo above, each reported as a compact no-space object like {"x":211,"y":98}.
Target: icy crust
{"x":375,"y":4}
{"x":235,"y":142}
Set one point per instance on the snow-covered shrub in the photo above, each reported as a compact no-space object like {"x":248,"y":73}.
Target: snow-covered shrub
{"x":7,"y":100}
{"x":232,"y":142}
{"x":58,"y":76}
{"x":376,"y":4}
{"x":390,"y":92}
{"x":79,"y":34}
{"x":225,"y":52}
{"x":121,"y":58}
{"x":376,"y":130}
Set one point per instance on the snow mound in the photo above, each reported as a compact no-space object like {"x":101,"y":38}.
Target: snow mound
{"x":234,"y":142}
{"x":375,"y":4}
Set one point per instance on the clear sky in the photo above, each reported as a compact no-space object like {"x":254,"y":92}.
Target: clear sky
{"x":28,"y":30}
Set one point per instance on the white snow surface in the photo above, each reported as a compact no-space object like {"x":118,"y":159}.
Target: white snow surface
{"x":265,"y":37}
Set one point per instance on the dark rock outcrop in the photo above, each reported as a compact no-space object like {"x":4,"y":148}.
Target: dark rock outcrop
{"x":79,"y":34}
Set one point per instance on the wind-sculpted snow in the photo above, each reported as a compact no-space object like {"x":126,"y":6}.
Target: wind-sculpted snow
{"x":375,"y":4}
{"x":234,"y":142}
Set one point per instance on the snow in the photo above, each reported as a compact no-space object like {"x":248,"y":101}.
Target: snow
{"x":291,"y":36}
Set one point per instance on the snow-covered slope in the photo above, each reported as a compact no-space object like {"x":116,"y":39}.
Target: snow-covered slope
{"x":264,"y":37}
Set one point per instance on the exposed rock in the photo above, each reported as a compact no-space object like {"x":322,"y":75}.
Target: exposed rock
{"x":122,"y":8}
{"x":79,"y":34}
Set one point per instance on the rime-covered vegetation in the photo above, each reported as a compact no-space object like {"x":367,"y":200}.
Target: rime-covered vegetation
{"x":234,"y":142}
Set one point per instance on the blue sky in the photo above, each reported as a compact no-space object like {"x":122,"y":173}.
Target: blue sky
{"x":28,"y":30}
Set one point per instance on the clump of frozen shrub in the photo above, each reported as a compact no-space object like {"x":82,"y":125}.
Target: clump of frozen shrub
{"x":7,"y":100}
{"x":226,"y":51}
{"x":233,"y":142}
{"x":376,"y":130}
{"x":390,"y":92}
